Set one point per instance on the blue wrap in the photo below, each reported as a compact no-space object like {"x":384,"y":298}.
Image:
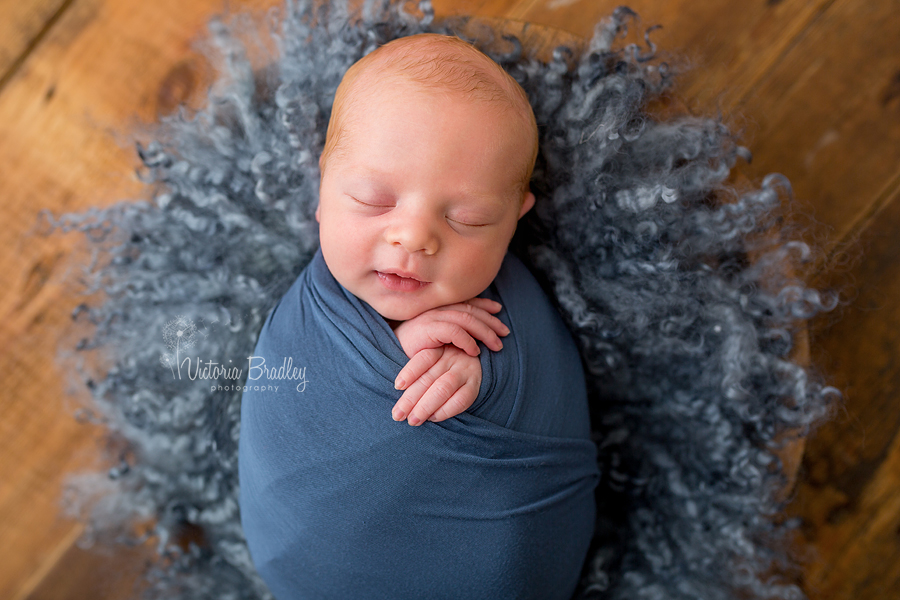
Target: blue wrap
{"x":339,"y":501}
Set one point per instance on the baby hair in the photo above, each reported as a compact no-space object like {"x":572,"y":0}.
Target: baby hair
{"x":439,"y":63}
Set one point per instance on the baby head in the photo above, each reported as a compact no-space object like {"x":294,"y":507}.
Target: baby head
{"x":425,"y":173}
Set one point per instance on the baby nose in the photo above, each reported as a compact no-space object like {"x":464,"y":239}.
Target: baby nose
{"x":414,"y":234}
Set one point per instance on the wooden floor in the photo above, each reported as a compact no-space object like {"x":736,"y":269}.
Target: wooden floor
{"x":813,"y":85}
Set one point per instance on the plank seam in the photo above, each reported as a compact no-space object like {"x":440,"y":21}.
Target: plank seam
{"x":521,"y":9}
{"x":858,"y":227}
{"x":47,"y":565}
{"x":37,"y":39}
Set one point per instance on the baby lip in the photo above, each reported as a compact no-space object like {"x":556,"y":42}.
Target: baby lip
{"x":398,"y":282}
{"x":405,"y":275}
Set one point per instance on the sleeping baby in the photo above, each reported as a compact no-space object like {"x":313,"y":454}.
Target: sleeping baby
{"x":424,"y":175}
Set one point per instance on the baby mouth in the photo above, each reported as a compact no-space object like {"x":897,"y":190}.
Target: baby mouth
{"x":399,"y":283}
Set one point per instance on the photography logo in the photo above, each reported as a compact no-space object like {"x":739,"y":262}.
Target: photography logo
{"x":181,"y":334}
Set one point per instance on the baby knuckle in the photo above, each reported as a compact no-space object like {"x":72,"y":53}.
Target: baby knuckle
{"x":457,"y":330}
{"x":443,"y":387}
{"x":468,"y":318}
{"x":458,"y":405}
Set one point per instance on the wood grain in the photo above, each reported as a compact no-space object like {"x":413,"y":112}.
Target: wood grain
{"x":722,"y":48}
{"x":101,"y":70}
{"x":827,"y":115}
{"x":21,"y":28}
{"x":97,"y":573}
{"x":850,"y":488}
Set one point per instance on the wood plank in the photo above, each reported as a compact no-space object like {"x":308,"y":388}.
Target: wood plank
{"x":98,"y":573}
{"x":828,"y":113}
{"x":105,"y":68}
{"x":41,"y":444}
{"x":21,"y":28}
{"x":848,"y":492}
{"x":722,"y":47}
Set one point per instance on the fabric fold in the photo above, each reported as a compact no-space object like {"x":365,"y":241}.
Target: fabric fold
{"x":338,"y":500}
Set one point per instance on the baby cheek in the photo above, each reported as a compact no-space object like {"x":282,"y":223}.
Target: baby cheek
{"x":346,"y":234}
{"x":473,"y":280}
{"x":485,"y":270}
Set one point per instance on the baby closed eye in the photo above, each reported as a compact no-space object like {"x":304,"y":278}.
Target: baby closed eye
{"x":466,"y":223}
{"x":376,"y":205}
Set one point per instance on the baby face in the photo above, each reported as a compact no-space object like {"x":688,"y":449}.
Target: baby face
{"x":418,"y":209}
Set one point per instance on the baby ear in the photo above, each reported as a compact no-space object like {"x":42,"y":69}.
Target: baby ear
{"x":527,"y":204}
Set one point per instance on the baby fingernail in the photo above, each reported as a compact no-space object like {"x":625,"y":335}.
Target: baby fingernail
{"x":414,"y":420}
{"x":398,"y":415}
{"x":399,"y":384}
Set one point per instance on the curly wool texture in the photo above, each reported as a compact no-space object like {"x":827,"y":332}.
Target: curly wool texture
{"x":635,"y":235}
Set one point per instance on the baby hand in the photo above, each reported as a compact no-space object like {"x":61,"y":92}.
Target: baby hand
{"x":445,"y":380}
{"x":456,"y":324}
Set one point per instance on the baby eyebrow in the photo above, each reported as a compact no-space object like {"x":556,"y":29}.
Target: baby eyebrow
{"x":494,"y":201}
{"x":474,"y":215}
{"x":364,"y":175}
{"x":359,"y":186}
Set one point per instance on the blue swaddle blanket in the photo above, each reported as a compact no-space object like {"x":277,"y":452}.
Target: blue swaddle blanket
{"x":339,"y":501}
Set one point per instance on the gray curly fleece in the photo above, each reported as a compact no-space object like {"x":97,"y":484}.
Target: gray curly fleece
{"x":635,"y":235}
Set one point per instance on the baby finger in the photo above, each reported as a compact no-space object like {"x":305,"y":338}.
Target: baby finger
{"x":414,"y":392}
{"x":491,"y":306}
{"x":478,"y":324}
{"x":408,"y":400}
{"x":438,"y":393}
{"x":482,"y":309}
{"x":457,"y":404}
{"x":417,"y":366}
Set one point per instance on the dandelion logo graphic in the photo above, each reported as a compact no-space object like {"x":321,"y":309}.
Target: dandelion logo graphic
{"x":179,"y":334}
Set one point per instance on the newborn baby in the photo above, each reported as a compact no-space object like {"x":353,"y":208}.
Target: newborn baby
{"x":425,"y":174}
